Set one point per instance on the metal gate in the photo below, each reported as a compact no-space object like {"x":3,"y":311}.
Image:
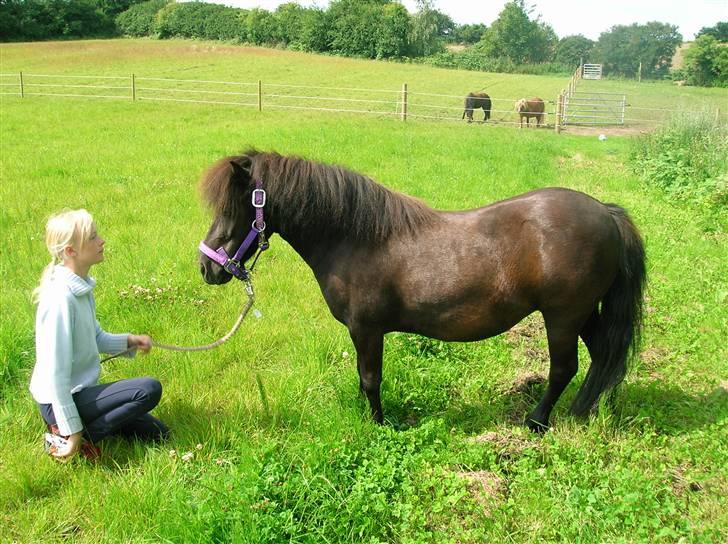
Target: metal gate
{"x":589,"y":108}
{"x":591,"y":71}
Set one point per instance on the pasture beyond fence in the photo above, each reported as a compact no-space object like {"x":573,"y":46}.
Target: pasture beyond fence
{"x":570,"y":107}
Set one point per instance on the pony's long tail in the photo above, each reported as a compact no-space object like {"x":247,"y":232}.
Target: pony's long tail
{"x":617,"y":334}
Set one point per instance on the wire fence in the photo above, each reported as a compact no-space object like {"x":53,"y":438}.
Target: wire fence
{"x":402,"y":103}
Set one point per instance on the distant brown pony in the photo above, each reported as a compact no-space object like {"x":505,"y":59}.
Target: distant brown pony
{"x":388,"y":262}
{"x":476,"y":101}
{"x":533,"y":107}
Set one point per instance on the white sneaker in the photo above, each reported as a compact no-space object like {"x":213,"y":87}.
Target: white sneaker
{"x":54,"y":443}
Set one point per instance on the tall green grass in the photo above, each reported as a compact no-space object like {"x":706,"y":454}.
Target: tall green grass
{"x":287,"y":451}
{"x":687,"y":159}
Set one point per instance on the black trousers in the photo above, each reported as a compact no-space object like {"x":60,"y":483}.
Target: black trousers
{"x":120,"y":408}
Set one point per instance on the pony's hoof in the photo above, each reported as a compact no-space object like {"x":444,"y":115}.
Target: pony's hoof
{"x":535,"y":426}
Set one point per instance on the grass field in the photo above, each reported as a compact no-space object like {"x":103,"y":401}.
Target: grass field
{"x":283,"y":448}
{"x":164,"y":69}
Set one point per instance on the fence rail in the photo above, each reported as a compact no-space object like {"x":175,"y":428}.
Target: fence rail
{"x":571,"y":107}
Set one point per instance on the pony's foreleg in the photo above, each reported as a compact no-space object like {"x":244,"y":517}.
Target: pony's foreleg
{"x":563,"y":351}
{"x":369,"y":346}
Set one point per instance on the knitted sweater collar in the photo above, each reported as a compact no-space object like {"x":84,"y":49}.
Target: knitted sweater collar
{"x":79,"y":286}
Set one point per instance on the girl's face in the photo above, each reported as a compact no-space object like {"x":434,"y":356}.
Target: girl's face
{"x":92,"y":252}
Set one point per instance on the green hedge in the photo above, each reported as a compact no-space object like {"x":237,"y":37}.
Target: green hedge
{"x":471,"y":59}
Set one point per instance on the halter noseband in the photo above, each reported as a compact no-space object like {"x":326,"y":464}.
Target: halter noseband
{"x":233,"y":264}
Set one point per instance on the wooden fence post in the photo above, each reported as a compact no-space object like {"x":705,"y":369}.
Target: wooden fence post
{"x":557,"y":123}
{"x":404,"y":101}
{"x":260,"y":95}
{"x":22,"y":90}
{"x":133,"y":87}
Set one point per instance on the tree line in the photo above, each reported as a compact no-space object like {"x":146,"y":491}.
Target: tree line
{"x":382,"y":29}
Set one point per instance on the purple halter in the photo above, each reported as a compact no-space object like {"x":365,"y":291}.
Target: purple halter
{"x":233,"y":264}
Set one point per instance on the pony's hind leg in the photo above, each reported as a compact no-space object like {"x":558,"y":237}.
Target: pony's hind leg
{"x":588,"y":334}
{"x":369,"y":347}
{"x":563,"y":352}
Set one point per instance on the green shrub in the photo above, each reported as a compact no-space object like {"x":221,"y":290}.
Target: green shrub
{"x":140,"y":19}
{"x":686,"y":158}
{"x":471,"y":59}
{"x":200,"y":20}
{"x":706,"y":63}
{"x":224,"y":23}
{"x":29,"y":20}
{"x":314,"y":29}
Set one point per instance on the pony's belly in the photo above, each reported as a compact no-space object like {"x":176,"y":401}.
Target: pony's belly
{"x":464,"y":326}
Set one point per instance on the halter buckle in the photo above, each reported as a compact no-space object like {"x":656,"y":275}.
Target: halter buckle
{"x":258,"y":198}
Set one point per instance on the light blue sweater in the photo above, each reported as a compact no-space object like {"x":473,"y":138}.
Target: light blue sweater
{"x":68,"y":339}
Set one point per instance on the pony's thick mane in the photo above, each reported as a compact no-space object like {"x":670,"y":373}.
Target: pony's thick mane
{"x":311,"y":195}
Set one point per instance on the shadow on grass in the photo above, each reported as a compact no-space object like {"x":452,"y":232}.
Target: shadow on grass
{"x":656,"y":406}
{"x":668,"y":409}
{"x":510,"y":406}
{"x":663,"y":408}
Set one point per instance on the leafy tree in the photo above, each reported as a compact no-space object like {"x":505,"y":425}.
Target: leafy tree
{"x":48,"y":19}
{"x":392,"y":31}
{"x":290,"y":20}
{"x":719,"y":31}
{"x":706,"y":62}
{"x":367,"y":28}
{"x":314,"y":31}
{"x":223,"y":23}
{"x":351,"y":23}
{"x":518,"y":38}
{"x":112,"y":8}
{"x":623,"y":48}
{"x":262,"y":27}
{"x":186,"y":20}
{"x":469,"y":34}
{"x":302,"y":28}
{"x":140,"y":19}
{"x":572,"y":50}
{"x":428,"y":25}
{"x":445,"y":25}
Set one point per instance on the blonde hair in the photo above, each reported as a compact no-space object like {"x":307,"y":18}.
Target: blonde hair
{"x":67,"y":228}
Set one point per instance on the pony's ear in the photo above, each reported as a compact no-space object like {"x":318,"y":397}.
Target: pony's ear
{"x":241,"y":167}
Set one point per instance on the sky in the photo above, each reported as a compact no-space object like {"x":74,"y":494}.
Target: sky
{"x":567,"y":17}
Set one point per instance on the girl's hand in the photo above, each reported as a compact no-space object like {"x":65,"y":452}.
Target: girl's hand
{"x":74,"y":444}
{"x":142,"y":342}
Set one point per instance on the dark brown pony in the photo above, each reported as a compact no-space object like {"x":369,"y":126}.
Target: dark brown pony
{"x":476,"y":101}
{"x":387,"y":262}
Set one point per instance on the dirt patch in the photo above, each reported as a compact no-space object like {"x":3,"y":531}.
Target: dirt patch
{"x":507,"y":444}
{"x":526,"y":381}
{"x":527,"y":340}
{"x":680,"y":483}
{"x":530,"y":327}
{"x":652,"y":359}
{"x":487,"y":488}
{"x":607,"y":131}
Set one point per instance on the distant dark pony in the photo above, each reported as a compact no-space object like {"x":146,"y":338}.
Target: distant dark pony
{"x":476,"y":101}
{"x":387,"y":262}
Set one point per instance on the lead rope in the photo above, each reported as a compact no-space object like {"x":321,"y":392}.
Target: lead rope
{"x":236,"y":326}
